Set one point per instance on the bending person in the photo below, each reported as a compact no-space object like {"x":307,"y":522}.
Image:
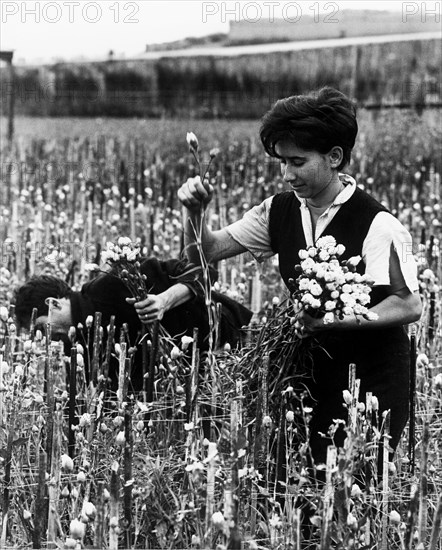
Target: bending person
{"x":175,"y":299}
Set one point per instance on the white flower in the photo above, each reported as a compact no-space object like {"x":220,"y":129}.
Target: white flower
{"x":354,"y":261}
{"x":340,"y":249}
{"x":85,"y":420}
{"x":267,"y":421}
{"x":324,"y":255}
{"x":175,"y":353}
{"x":185,"y":342}
{"x":124,"y":241}
{"x":4,"y":314}
{"x":347,"y":310}
{"x":307,"y":298}
{"x":67,"y":463}
{"x":372,"y":316}
{"x":303,"y":255}
{"x":315,"y":289}
{"x":307,"y":265}
{"x":328,"y":318}
{"x":312,"y":252}
{"x":132,"y":255}
{"x":330,"y":277}
{"x":290,"y":416}
{"x":364,"y":299}
{"x":438,"y":381}
{"x":422,"y":360}
{"x":352,"y":522}
{"x":330,"y":305}
{"x":89,"y":510}
{"x":315,"y":303}
{"x":275,"y":521}
{"x":326,"y":241}
{"x":304,"y":284}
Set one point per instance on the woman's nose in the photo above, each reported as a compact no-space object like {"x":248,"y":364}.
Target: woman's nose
{"x":288,"y":174}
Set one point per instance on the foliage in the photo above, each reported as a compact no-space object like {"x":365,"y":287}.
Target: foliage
{"x":194,"y":467}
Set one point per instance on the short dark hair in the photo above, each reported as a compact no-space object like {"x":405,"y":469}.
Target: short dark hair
{"x":317,"y":121}
{"x":33,"y":295}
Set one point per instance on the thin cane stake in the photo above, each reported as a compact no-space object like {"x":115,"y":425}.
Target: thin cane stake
{"x":412,"y":423}
{"x":385,"y":495}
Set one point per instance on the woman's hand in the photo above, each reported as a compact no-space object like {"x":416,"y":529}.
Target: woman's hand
{"x":150,"y":309}
{"x":194,"y":193}
{"x":306,"y":325}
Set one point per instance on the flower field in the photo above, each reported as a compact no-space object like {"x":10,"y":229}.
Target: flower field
{"x":193,"y":466}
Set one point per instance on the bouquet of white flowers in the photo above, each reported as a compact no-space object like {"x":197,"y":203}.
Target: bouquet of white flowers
{"x":123,"y":257}
{"x":327,"y":287}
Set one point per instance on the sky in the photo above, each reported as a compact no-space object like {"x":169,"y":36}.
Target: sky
{"x":48,"y":31}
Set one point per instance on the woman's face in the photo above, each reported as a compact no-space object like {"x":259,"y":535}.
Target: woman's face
{"x":309,"y":173}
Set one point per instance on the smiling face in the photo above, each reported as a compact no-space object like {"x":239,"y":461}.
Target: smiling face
{"x":312,"y":175}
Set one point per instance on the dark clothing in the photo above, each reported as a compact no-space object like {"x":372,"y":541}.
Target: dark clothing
{"x":381,"y":355}
{"x":107,"y":294}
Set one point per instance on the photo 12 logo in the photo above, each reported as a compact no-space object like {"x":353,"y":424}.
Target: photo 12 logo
{"x":425,"y":11}
{"x":72,"y":12}
{"x":252,"y":12}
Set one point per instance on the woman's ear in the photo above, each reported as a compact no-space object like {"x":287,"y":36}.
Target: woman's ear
{"x":335,"y":155}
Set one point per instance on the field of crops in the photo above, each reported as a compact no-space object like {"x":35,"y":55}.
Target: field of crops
{"x":193,"y":468}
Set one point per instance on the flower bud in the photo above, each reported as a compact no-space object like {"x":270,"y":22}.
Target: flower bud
{"x":77,"y":529}
{"x":81,"y":477}
{"x":395,"y":518}
{"x":352,"y":522}
{"x":192,"y":141}
{"x":218,"y":520}
{"x":267,"y":421}
{"x":121,"y":438}
{"x":347,"y":396}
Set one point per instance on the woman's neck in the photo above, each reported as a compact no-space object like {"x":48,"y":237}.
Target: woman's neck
{"x":327,"y":195}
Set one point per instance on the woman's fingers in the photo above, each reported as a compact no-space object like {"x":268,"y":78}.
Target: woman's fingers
{"x":194,"y":192}
{"x":150,"y":309}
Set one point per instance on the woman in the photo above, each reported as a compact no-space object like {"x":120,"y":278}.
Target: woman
{"x":313,"y":136}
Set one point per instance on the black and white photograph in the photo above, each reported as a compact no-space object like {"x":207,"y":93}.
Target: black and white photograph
{"x":220,"y":275}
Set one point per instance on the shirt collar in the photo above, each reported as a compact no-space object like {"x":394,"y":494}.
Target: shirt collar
{"x":344,"y":195}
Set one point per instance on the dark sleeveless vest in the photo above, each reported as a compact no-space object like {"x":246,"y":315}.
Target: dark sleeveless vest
{"x":349,"y":227}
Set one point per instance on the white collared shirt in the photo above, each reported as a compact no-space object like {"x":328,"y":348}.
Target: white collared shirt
{"x":385,"y":235}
